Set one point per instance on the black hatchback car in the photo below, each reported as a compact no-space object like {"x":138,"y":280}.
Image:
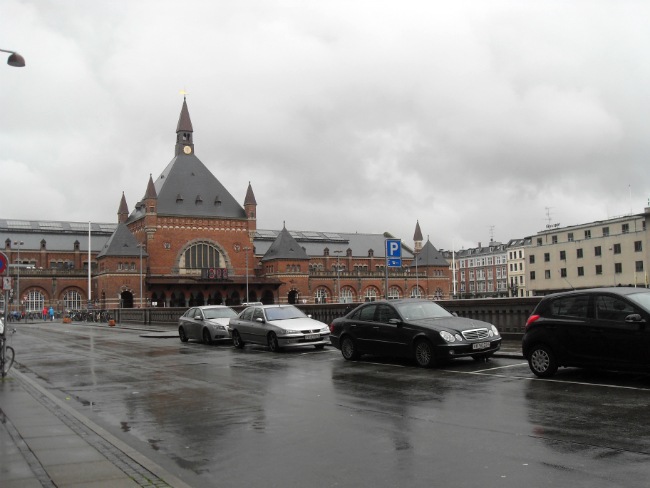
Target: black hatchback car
{"x":605,"y":328}
{"x":415,"y":328}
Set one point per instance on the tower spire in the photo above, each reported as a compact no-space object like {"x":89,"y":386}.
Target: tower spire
{"x":184,"y":141}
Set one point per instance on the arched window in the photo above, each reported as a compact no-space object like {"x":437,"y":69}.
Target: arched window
{"x":201,"y":255}
{"x":72,"y":300}
{"x":416,"y":292}
{"x":347,"y":295}
{"x":35,"y":301}
{"x":438,"y":295}
{"x":320,"y":296}
{"x":371,"y":294}
{"x":393,"y":293}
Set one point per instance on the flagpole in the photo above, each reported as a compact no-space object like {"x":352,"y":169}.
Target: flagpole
{"x":90,"y":293}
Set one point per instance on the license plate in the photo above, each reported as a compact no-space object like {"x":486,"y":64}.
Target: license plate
{"x":481,"y":345}
{"x":310,"y":337}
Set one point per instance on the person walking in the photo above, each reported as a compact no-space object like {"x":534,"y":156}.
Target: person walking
{"x":51,"y":312}
{"x":44,"y":313}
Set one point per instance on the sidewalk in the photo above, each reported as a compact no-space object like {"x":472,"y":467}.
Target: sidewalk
{"x":46,"y":443}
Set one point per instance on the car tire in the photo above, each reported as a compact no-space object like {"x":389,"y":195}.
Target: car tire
{"x":272,"y":341}
{"x":349,"y":349}
{"x":319,"y":346}
{"x":423,"y":354}
{"x":541,"y":361}
{"x":236,"y":340}
{"x":207,"y":339}
{"x":182,"y":334}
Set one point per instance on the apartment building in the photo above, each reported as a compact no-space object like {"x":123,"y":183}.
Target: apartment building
{"x":612,"y":252}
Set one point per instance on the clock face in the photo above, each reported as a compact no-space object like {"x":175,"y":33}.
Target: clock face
{"x":187,"y":150}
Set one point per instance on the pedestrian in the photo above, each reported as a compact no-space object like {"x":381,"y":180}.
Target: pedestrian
{"x":51,"y":312}
{"x":44,"y":313}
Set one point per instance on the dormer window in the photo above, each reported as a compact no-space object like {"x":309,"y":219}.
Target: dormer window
{"x":217,"y":201}
{"x":199,"y":200}
{"x":179,"y":198}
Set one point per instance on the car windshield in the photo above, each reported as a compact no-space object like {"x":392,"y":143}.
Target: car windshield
{"x":421,"y":310}
{"x":219,"y":313}
{"x":283,"y":313}
{"x":642,"y":298}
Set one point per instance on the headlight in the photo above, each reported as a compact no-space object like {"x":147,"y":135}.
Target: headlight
{"x":288,"y":331}
{"x":495,"y":330}
{"x":447,"y":336}
{"x":221,"y":327}
{"x":458,"y":338}
{"x":325,"y":330}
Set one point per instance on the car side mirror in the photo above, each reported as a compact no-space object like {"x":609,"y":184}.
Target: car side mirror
{"x":395,"y":321}
{"x":261,"y":321}
{"x":454,"y":314}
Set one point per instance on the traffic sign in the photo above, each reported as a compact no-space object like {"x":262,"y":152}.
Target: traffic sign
{"x":393,"y":253}
{"x":3,"y":262}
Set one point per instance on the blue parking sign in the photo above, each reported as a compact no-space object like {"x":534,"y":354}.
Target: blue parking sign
{"x":393,"y":253}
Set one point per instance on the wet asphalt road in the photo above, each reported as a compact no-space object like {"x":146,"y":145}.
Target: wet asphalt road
{"x":216,"y":416}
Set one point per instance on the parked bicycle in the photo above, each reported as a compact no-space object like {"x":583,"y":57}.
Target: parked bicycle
{"x":7,"y":353}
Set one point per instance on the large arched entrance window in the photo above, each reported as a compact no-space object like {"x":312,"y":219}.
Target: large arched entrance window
{"x":393,"y":293}
{"x":35,"y":301}
{"x":320,"y":296}
{"x":347,"y":295}
{"x":201,"y":255}
{"x":416,"y":292}
{"x":371,"y":294}
{"x":72,"y":300}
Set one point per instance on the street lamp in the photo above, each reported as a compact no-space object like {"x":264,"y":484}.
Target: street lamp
{"x":246,"y":249}
{"x":15,"y":59}
{"x":18,"y":244}
{"x":140,"y":246}
{"x":338,"y":275}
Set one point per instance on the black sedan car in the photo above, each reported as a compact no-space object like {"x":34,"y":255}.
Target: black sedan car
{"x":607,"y":328}
{"x":415,"y":328}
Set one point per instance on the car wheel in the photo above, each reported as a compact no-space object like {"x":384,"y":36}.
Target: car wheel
{"x":424,"y":354}
{"x":272,"y":341}
{"x":236,"y":340}
{"x":349,"y":349}
{"x":206,"y":336}
{"x":182,"y":334}
{"x":319,"y":346}
{"x":541,"y":361}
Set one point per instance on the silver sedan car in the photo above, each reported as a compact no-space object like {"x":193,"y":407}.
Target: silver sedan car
{"x":208,"y":323}
{"x":278,"y":326}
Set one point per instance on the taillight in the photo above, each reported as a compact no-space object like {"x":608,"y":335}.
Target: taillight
{"x":531,"y":319}
{"x":332,"y":327}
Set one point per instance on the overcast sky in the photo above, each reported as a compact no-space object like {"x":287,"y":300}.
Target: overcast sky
{"x":477,"y":118}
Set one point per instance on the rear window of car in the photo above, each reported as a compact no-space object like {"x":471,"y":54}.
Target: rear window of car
{"x":573,"y":306}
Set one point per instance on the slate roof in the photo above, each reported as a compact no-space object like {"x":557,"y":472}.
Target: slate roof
{"x":285,"y":247}
{"x":314,"y":243}
{"x":430,"y":256}
{"x":58,"y":235}
{"x":121,"y":243}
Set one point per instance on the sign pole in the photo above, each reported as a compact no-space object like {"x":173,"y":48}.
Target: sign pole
{"x":4,"y":271}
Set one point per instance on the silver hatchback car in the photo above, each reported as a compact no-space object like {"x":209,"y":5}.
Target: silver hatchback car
{"x":207,"y":323}
{"x":278,"y":326}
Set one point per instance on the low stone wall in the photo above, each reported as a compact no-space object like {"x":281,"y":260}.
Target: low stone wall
{"x":508,"y":314}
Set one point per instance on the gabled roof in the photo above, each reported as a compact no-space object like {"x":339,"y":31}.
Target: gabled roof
{"x":285,"y":247}
{"x":121,"y":243}
{"x":430,"y":256}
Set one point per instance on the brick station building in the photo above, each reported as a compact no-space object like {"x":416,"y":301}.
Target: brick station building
{"x":188,"y":241}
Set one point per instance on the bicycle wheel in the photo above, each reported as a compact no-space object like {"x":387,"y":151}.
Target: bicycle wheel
{"x":8,"y":360}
